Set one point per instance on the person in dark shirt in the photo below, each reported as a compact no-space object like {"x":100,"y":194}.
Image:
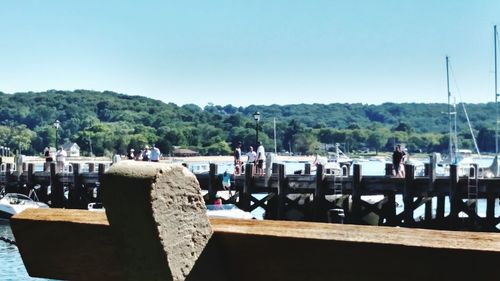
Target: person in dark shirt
{"x":237,"y":159}
{"x":397,"y":158}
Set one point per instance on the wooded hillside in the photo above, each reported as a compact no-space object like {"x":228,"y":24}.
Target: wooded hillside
{"x":111,"y":122}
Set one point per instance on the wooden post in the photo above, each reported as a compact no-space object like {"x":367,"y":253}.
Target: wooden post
{"x":251,"y":169}
{"x":390,"y":210}
{"x":74,"y":193}
{"x":428,"y":211}
{"x":454,"y":195}
{"x":307,"y":169}
{"x":388,"y":169}
{"x":212,"y":178}
{"x":319,"y":195}
{"x":101,"y":169}
{"x":427,"y":168}
{"x":440,"y":206}
{"x":490,"y":210}
{"x":281,"y":192}
{"x":275,"y":168}
{"x":41,"y":193}
{"x":408,"y":194}
{"x":247,"y":190}
{"x":29,"y":175}
{"x":8,"y":172}
{"x":356,"y":194}
{"x":56,"y":188}
{"x":91,"y":167}
{"x":473,"y":175}
{"x":431,"y":173}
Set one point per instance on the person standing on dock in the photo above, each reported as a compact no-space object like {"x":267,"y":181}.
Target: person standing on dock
{"x":155,"y":154}
{"x":146,"y":153}
{"x":61,"y":159}
{"x":397,"y":161}
{"x":48,"y":158}
{"x":138,"y":156}
{"x":252,"y":156}
{"x":130,"y":154}
{"x":261,"y":157}
{"x":116,"y":158}
{"x":237,"y":159}
{"x":404,"y":159}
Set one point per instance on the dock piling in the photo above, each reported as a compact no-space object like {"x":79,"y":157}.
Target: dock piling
{"x":56,"y":188}
{"x":356,"y":194}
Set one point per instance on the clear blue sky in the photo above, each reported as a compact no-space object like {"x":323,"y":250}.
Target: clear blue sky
{"x":253,"y":51}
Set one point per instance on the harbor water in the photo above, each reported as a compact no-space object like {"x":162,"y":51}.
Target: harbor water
{"x":11,"y":264}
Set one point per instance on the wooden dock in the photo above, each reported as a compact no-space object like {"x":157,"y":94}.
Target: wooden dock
{"x":155,"y":215}
{"x":353,"y":195}
{"x":318,"y":197}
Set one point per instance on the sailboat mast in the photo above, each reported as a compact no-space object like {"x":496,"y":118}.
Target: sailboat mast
{"x":275,"y":147}
{"x":450,"y":141}
{"x":496,"y":89}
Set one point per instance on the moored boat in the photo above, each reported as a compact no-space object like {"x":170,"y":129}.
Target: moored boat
{"x":14,"y":203}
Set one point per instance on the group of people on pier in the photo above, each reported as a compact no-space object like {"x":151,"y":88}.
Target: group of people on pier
{"x":60,"y":156}
{"x":152,"y":154}
{"x":257,"y":159}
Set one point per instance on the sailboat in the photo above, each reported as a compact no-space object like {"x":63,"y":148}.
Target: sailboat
{"x":338,"y":156}
{"x":494,"y":169}
{"x":460,"y":157}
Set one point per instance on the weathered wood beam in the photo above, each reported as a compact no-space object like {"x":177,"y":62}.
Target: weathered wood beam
{"x":78,"y":245}
{"x":67,"y":244}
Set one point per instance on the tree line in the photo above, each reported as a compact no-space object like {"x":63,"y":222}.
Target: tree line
{"x":106,"y":122}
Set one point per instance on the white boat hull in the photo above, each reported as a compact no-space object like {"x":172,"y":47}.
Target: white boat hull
{"x":14,"y":203}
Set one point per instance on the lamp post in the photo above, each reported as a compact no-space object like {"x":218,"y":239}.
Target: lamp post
{"x":256,"y":117}
{"x":57,"y":124}
{"x":90,"y":144}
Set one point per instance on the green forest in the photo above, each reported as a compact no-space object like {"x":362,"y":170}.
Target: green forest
{"x":103,"y":123}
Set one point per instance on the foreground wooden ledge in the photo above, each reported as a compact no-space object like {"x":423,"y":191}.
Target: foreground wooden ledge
{"x":78,"y":245}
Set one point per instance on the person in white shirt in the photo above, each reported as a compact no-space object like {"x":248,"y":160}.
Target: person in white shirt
{"x":252,"y":157}
{"x":261,"y":157}
{"x":155,"y":154}
{"x":61,"y":159}
{"x":116,"y":158}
